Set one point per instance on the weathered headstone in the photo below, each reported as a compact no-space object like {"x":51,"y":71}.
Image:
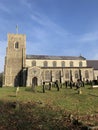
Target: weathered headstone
{"x":17,"y":91}
{"x":43,"y":87}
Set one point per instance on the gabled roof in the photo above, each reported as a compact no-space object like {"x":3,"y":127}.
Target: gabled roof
{"x":47,"y":57}
{"x":93,"y":63}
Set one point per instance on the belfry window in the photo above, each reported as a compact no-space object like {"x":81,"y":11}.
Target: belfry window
{"x":16,"y":45}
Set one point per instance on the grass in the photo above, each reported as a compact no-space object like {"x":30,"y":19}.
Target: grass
{"x":66,"y":99}
{"x":51,"y":110}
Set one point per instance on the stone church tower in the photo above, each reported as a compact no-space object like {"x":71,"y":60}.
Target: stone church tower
{"x":15,"y":60}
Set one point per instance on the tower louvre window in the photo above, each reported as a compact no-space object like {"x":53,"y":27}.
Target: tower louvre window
{"x":16,"y":45}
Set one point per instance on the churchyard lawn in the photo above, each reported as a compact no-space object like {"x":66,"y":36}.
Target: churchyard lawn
{"x":66,"y":98}
{"x":52,"y":105}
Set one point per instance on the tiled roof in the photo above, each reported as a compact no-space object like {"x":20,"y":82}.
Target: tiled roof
{"x":47,"y":57}
{"x":93,"y":63}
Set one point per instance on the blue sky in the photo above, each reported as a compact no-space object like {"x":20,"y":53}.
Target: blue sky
{"x":52,"y":27}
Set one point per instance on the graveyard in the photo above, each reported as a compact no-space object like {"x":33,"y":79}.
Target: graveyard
{"x":64,"y":109}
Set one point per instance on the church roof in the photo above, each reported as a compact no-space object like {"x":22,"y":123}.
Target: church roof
{"x":47,"y":57}
{"x":93,"y":63}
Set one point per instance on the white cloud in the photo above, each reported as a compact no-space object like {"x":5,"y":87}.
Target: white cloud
{"x":29,"y":4}
{"x":48,"y":35}
{"x":89,"y":37}
{"x":4,"y":8}
{"x":69,"y":44}
{"x":45,"y":22}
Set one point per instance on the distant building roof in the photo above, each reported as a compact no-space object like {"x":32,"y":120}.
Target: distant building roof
{"x":93,"y":63}
{"x":46,"y":57}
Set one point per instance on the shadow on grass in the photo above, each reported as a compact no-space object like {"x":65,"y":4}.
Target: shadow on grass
{"x":93,"y":95}
{"x":11,"y":95}
{"x":39,"y":91}
{"x":90,"y":88}
{"x":33,"y":90}
{"x":32,"y":116}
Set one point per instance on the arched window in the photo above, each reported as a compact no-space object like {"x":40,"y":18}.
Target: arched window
{"x":45,"y":63}
{"x":54,"y":64}
{"x":67,"y":74}
{"x":16,"y":45}
{"x":76,"y":74}
{"x":33,"y":63}
{"x":47,"y":75}
{"x":57,"y":75}
{"x":71,"y":63}
{"x":80,"y":64}
{"x":86,"y":74}
{"x":63,"y":64}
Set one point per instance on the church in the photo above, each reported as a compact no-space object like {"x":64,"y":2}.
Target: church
{"x":21,"y":69}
